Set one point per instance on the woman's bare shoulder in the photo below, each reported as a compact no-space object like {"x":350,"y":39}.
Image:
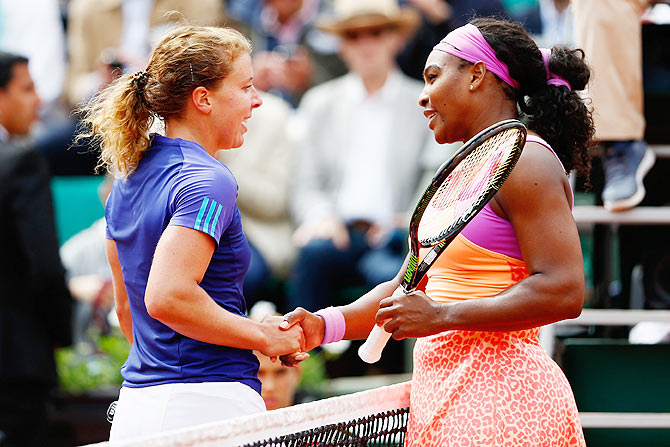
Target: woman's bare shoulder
{"x":537,"y":178}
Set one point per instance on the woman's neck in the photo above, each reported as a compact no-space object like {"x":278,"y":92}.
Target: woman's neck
{"x":491,"y":113}
{"x":175,"y":128}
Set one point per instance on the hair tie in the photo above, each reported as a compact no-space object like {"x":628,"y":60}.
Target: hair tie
{"x":552,"y":79}
{"x":140,"y":79}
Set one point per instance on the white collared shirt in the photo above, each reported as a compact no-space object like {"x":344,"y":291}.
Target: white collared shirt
{"x":135,"y":42}
{"x":34,"y":29}
{"x":366,"y":188}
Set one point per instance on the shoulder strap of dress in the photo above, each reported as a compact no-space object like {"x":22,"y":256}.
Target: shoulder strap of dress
{"x":537,"y":139}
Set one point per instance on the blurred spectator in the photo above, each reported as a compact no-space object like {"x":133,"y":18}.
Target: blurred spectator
{"x":290,"y":54}
{"x":34,"y":29}
{"x":436,"y":22}
{"x":262,"y":167}
{"x":245,"y":11}
{"x":361,"y":137}
{"x":107,"y":35}
{"x":105,"y":39}
{"x":439,"y":17}
{"x":526,"y":12}
{"x":557,"y":26}
{"x":88,"y":274}
{"x":610,"y":32}
{"x":35,"y":306}
{"x":278,"y":383}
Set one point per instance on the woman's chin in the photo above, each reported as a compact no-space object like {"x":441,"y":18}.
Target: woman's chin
{"x":237,"y":143}
{"x":442,"y":139}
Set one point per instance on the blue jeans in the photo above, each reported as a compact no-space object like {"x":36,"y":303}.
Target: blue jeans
{"x":322,"y":270}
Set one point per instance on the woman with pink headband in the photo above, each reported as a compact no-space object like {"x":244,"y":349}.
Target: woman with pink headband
{"x":480,"y":377}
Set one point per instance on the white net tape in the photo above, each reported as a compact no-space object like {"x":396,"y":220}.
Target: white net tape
{"x":271,"y":424}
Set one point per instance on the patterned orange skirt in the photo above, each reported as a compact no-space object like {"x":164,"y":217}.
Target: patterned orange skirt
{"x":489,"y":389}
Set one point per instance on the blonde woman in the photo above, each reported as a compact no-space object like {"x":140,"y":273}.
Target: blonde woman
{"x":174,"y":238}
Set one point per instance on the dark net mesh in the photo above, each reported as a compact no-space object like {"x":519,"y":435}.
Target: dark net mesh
{"x":386,"y":429}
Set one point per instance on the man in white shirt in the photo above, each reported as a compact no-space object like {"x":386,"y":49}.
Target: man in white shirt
{"x":362,"y":142}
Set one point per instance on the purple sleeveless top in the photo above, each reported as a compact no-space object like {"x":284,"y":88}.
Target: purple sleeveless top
{"x":495,"y":233}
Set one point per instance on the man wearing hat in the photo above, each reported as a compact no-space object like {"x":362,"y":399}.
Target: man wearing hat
{"x":361,"y":154}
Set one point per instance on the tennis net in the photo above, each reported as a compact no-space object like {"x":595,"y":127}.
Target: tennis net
{"x":370,"y":418}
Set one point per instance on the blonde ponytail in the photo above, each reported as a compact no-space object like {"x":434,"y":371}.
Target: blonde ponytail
{"x":118,"y":120}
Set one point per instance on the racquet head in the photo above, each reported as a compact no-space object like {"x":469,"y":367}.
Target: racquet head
{"x":459,"y":190}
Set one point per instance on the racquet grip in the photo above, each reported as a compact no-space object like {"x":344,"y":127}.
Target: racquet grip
{"x":371,"y":350}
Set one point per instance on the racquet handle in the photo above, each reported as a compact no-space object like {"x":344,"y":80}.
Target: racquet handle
{"x":371,"y":350}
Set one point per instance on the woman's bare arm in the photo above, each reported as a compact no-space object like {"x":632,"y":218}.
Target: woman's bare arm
{"x":120,"y":296}
{"x":535,"y":200}
{"x":174,"y":297}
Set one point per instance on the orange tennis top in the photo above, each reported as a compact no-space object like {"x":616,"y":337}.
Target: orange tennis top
{"x":466,"y":270}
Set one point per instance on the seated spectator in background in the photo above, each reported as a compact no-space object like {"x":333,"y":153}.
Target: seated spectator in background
{"x":105,"y":39}
{"x":290,"y":54}
{"x":525,"y":12}
{"x":361,"y":140}
{"x":89,"y":277}
{"x":127,"y":29}
{"x":438,"y":18}
{"x":35,"y":306}
{"x":557,"y":27}
{"x":34,"y":29}
{"x":262,"y":167}
{"x":278,"y":383}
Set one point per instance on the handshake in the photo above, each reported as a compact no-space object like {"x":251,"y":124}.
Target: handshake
{"x":292,"y":336}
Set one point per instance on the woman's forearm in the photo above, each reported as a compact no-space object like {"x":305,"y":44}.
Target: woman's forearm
{"x":360,"y":315}
{"x":528,"y":304}
{"x":190,"y":311}
{"x":125,"y":320}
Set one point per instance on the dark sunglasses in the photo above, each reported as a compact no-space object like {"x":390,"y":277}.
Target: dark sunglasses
{"x":375,"y":33}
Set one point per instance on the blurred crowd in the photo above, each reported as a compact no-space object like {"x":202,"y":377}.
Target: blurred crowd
{"x":330,"y":160}
{"x":323,"y":70}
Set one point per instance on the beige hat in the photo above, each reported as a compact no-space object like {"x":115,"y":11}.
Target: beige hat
{"x":357,"y":14}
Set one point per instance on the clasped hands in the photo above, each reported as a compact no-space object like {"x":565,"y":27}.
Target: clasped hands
{"x":407,"y":316}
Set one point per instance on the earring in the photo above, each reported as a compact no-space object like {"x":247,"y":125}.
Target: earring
{"x":472,"y":87}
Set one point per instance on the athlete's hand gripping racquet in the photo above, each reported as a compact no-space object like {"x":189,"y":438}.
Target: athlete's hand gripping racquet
{"x":458,"y":191}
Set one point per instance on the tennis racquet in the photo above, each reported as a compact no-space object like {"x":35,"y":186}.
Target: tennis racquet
{"x":460,"y":189}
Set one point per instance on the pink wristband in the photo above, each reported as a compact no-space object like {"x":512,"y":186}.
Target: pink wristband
{"x":334,"y":324}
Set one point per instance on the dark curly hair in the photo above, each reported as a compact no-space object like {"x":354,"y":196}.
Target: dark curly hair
{"x":556,"y":113}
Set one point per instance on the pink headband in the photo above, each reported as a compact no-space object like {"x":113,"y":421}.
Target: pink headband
{"x":552,"y":79}
{"x":468,"y":43}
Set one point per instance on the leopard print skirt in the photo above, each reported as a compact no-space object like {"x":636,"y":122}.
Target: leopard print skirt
{"x":490,"y":389}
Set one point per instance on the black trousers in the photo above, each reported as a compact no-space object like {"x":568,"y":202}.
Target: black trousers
{"x":23,"y":415}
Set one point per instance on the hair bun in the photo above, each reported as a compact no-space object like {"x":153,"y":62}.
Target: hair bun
{"x":571,"y":65}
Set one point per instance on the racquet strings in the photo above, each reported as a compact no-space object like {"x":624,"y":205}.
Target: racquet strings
{"x":467,"y":186}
